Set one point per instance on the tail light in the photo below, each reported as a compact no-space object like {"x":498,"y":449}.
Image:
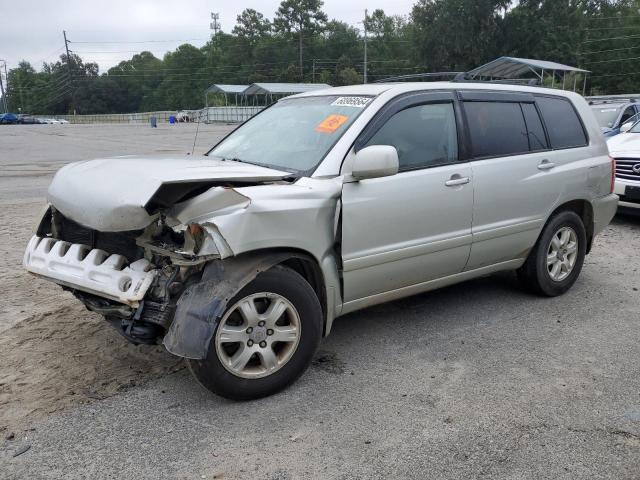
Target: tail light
{"x":613,"y":173}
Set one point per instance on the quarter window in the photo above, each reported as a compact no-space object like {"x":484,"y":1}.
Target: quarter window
{"x":496,"y":128}
{"x":537,"y":139}
{"x":563,"y":124}
{"x":424,"y":135}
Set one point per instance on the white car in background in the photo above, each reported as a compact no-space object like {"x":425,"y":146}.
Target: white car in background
{"x":625,"y":149}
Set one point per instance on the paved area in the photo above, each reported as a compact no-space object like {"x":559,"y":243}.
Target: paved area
{"x":478,"y":380}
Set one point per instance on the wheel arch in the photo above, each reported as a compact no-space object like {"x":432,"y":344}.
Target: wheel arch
{"x":584,"y":210}
{"x":201,"y":305}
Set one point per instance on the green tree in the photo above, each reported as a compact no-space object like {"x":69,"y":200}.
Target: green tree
{"x":456,"y":34}
{"x":300,"y":18}
{"x":252,"y":25}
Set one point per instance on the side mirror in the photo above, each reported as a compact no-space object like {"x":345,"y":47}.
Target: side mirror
{"x":625,"y":127}
{"x":375,"y":161}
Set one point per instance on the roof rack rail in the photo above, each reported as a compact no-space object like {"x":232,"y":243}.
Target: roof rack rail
{"x":534,"y":82}
{"x":417,"y":77}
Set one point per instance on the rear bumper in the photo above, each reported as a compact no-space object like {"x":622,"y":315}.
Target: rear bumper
{"x":93,"y":271}
{"x":604,"y":208}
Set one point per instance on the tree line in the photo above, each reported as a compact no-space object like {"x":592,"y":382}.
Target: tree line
{"x":301,"y":44}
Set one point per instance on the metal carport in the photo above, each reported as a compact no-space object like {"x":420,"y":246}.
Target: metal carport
{"x":271,"y":91}
{"x":227,"y":90}
{"x":513,"y":67}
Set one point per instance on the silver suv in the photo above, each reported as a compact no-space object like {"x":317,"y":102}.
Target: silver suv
{"x":326,"y":203}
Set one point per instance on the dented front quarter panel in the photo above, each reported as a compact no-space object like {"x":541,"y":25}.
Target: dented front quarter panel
{"x":254,"y":228}
{"x":298,"y":216}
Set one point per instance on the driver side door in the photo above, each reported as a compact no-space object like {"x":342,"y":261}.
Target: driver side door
{"x":401,"y":231}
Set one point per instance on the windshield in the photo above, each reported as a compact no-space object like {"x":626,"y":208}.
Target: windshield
{"x":636,"y":126}
{"x":294,"y":134}
{"x":606,"y":115}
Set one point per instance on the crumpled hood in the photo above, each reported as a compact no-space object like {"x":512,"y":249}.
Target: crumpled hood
{"x":627,"y":144}
{"x":111,"y":194}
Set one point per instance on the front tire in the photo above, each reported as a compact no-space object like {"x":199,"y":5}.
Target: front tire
{"x":265,"y":340}
{"x":556,"y":260}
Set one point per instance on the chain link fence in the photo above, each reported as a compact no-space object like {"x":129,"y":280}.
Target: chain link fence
{"x":206,"y":115}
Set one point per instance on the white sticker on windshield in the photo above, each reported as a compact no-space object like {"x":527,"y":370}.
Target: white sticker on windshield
{"x":357,"y":102}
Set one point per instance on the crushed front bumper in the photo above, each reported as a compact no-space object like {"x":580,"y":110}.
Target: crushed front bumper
{"x":89,"y":270}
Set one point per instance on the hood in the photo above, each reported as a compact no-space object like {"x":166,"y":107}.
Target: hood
{"x":627,"y":144}
{"x":126,"y":193}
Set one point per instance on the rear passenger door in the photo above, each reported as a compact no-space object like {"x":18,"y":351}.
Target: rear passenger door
{"x":520,"y":168}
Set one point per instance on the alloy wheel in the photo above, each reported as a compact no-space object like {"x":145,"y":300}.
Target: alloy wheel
{"x":562,"y":254}
{"x":258,"y":335}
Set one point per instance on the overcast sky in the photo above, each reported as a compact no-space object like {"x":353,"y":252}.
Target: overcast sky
{"x":32,"y":29}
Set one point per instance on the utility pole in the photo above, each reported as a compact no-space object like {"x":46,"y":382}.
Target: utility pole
{"x":300,"y":47}
{"x":66,"y":47}
{"x":215,"y":24}
{"x":4,"y":96}
{"x":313,"y":71}
{"x":365,"y":45}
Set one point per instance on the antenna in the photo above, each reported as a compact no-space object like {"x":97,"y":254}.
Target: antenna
{"x":215,"y":24}
{"x":195,"y":138}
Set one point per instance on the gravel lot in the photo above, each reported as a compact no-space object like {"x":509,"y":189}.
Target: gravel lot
{"x":478,"y":380}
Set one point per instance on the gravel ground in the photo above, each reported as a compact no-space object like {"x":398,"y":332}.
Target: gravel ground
{"x":478,"y":380}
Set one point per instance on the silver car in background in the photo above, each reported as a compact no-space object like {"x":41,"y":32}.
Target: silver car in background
{"x":326,"y":203}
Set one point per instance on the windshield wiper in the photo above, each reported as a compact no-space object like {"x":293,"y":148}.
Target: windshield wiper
{"x":293,"y":171}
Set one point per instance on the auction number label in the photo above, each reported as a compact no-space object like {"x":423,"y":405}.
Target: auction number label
{"x":357,"y":102}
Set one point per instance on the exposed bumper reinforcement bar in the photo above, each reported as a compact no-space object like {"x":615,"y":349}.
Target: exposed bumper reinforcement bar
{"x":90,"y":270}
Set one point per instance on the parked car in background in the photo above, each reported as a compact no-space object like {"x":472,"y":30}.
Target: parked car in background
{"x":625,"y":149}
{"x":611,"y":114}
{"x":27,"y":120}
{"x":322,"y":204}
{"x":8,"y":118}
{"x":183,"y":116}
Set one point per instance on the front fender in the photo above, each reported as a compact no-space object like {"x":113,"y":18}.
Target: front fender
{"x":203,"y":304}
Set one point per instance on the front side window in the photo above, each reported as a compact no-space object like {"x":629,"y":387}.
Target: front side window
{"x":496,"y":128}
{"x":563,"y":124}
{"x":294,"y":134}
{"x":424,"y":135}
{"x":628,"y":113}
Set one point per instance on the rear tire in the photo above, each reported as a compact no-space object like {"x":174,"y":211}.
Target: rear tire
{"x":256,"y":350}
{"x":556,"y":260}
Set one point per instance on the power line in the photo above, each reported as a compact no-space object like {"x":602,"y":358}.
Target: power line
{"x":610,"y":50}
{"x":614,"y":74}
{"x":613,"y":60}
{"x":612,"y":38}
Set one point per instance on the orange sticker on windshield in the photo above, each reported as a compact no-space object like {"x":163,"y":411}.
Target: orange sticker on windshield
{"x":331,"y":123}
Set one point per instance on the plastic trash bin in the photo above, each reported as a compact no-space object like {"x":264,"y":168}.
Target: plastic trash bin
{"x":172,"y":119}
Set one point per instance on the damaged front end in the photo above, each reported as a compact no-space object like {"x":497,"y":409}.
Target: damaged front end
{"x":161,"y":262}
{"x":132,"y":278}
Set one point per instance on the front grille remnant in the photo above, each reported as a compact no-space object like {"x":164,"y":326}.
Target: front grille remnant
{"x":628,"y":168}
{"x":121,"y":243}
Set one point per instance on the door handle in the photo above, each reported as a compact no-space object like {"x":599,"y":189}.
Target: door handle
{"x":546,"y":165}
{"x":456,"y":180}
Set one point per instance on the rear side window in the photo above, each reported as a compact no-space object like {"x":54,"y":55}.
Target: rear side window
{"x":496,"y":128}
{"x":563,"y":124}
{"x":537,"y":139}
